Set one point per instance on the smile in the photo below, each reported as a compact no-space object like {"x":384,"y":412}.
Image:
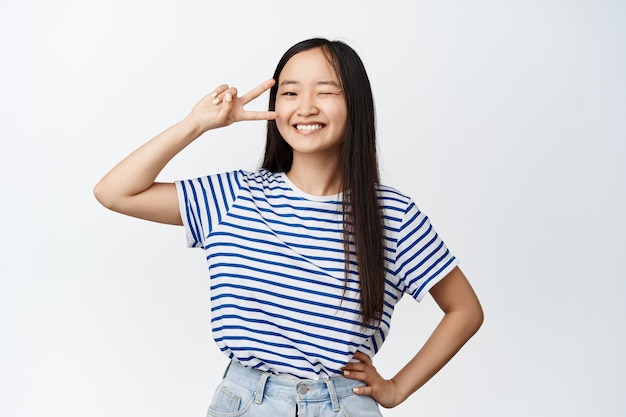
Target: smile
{"x":308,"y":128}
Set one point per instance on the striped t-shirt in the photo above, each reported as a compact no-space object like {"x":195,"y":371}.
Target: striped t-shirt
{"x":276,"y":264}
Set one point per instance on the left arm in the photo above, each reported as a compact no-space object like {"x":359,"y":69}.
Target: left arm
{"x":463,"y":316}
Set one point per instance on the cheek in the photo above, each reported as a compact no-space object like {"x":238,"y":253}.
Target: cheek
{"x":283,"y":117}
{"x":279,"y":108}
{"x":338,"y":115}
{"x":282,"y":125}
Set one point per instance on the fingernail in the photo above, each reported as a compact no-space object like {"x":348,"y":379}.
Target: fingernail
{"x":355,"y":389}
{"x":229,"y":97}
{"x":346,"y":373}
{"x":214,"y":94}
{"x":217,"y":100}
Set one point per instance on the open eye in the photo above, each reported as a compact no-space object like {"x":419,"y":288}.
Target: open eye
{"x":288,"y":94}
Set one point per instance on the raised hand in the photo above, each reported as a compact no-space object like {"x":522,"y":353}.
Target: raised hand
{"x":223,"y":107}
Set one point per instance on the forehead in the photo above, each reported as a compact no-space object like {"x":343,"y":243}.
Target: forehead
{"x":312,"y":65}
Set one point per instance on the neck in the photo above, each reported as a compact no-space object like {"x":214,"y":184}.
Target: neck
{"x":316,"y":175}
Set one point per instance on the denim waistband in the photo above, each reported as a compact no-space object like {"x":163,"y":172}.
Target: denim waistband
{"x":265,"y":383}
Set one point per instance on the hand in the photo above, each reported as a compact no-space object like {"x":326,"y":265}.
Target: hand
{"x":384,"y":391}
{"x":223,"y":107}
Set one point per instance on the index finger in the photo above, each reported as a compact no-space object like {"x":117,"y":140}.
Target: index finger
{"x":257,"y":91}
{"x":362,"y":357}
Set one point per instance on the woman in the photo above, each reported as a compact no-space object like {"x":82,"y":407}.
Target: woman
{"x":308,"y":255}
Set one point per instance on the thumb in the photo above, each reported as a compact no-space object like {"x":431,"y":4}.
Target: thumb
{"x":226,"y":108}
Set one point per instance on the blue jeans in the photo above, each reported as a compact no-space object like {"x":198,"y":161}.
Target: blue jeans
{"x":251,"y":393}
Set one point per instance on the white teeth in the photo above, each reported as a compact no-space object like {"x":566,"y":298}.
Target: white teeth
{"x":309,"y":127}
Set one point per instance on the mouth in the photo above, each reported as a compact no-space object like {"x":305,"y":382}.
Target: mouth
{"x":309,"y":127}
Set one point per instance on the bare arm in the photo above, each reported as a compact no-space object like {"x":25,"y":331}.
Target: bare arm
{"x":130,"y":187}
{"x":463,"y":316}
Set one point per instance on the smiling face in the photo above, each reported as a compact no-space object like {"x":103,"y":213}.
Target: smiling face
{"x":310,"y":104}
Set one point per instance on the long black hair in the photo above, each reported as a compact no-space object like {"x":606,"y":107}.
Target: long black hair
{"x":362,"y":217}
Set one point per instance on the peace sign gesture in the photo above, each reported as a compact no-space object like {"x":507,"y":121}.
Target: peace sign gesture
{"x":223,"y":107}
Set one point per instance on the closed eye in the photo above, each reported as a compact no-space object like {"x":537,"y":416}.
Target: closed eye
{"x":289,"y":93}
{"x":331,"y":93}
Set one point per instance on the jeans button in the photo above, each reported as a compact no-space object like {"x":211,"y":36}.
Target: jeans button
{"x":303,"y":389}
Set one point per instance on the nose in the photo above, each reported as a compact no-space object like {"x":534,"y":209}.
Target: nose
{"x":307,"y":105}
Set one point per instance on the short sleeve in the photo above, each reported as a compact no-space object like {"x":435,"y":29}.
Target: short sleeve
{"x":204,"y":202}
{"x":422,"y":258}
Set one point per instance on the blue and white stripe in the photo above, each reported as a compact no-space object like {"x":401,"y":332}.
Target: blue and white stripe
{"x":276,"y":261}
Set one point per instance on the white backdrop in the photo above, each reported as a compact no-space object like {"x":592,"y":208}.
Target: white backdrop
{"x":503,"y":119}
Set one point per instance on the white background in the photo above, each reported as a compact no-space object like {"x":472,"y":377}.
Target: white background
{"x":505,"y":120}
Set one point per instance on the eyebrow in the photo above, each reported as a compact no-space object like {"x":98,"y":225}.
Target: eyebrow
{"x":289,"y":82}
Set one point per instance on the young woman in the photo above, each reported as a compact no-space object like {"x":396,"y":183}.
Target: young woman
{"x":308,"y":255}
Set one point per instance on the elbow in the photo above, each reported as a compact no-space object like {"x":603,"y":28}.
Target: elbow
{"x":103,"y":195}
{"x":476,"y":318}
{"x":99,"y":193}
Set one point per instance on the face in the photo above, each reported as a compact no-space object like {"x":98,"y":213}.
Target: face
{"x":311,"y":107}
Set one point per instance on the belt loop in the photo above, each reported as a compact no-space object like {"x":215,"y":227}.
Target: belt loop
{"x":227,"y":368}
{"x":260,"y":388}
{"x":333,"y":394}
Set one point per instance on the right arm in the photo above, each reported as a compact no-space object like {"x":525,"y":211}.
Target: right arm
{"x":130,"y":187}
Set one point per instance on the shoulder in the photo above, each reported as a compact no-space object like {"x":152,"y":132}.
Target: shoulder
{"x":391,"y":198}
{"x":261,"y":178}
{"x":260,"y":175}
